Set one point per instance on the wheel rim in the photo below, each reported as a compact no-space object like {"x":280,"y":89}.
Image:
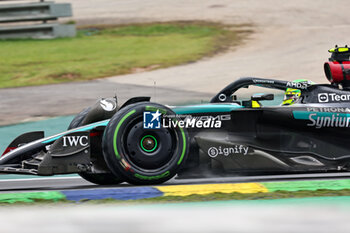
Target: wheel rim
{"x":148,"y":143}
{"x":152,"y":150}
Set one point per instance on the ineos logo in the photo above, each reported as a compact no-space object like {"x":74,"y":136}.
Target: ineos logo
{"x":75,"y":140}
{"x":323,"y":97}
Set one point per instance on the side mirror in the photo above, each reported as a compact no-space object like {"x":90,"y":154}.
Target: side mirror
{"x":258,"y":97}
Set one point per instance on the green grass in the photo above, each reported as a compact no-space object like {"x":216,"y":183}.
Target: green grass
{"x":106,"y":51}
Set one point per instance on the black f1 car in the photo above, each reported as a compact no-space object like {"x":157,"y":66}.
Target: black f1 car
{"x":142,"y":142}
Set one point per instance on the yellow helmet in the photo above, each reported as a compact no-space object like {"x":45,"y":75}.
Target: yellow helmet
{"x":292,"y":95}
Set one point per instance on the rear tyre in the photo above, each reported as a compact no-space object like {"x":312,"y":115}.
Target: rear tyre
{"x":96,"y":178}
{"x":143,"y":156}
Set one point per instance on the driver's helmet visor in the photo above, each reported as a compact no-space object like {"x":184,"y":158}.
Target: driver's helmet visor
{"x":290,"y":96}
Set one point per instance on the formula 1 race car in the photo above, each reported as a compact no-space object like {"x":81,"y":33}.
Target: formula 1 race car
{"x":142,"y":142}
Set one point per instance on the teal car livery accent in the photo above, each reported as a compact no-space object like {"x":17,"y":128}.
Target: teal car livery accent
{"x":206,"y":108}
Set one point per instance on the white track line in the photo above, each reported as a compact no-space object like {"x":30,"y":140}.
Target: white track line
{"x":36,"y":179}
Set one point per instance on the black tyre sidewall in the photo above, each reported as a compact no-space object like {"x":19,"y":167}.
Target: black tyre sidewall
{"x":113,"y":143}
{"x":76,"y":122}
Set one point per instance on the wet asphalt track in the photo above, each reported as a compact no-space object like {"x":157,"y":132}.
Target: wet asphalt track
{"x":75,"y":182}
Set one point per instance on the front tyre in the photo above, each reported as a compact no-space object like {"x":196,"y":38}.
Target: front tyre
{"x":144,"y":156}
